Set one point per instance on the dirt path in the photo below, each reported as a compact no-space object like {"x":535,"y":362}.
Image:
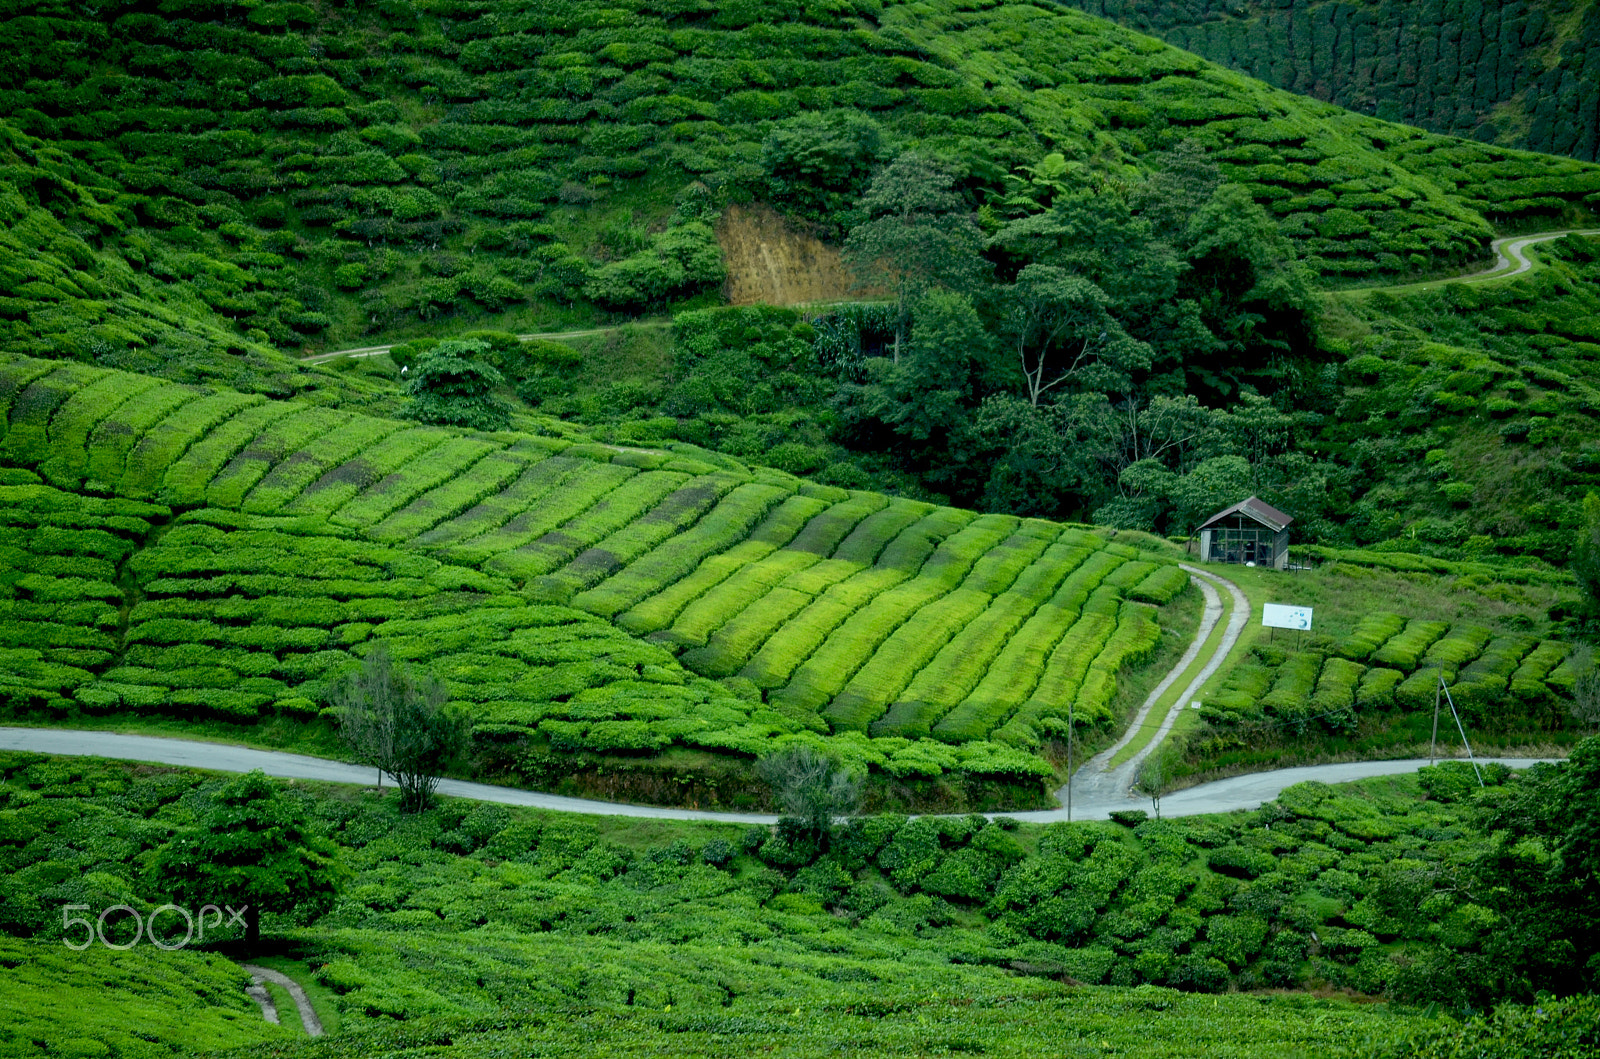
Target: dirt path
{"x":258,"y":991}
{"x":1099,"y":787}
{"x":551,"y":336}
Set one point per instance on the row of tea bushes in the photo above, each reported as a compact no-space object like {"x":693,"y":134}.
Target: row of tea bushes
{"x":260,"y":625}
{"x":1500,"y":681}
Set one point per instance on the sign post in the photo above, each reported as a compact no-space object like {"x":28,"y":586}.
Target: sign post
{"x":1283,"y":616}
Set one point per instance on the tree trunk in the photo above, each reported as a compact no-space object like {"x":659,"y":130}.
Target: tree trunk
{"x":252,"y":925}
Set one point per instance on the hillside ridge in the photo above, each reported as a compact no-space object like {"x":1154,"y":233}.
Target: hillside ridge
{"x":855,"y":616}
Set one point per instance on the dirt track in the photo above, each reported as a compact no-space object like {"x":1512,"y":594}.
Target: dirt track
{"x":259,"y":975}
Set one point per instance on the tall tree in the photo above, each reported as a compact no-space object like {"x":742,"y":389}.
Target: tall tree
{"x":252,"y":849}
{"x":926,"y":396}
{"x":1254,"y":297}
{"x":396,"y":720}
{"x":1062,"y":333}
{"x":918,"y":233}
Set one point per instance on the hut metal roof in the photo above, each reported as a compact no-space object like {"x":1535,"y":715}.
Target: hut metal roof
{"x":1256,"y":509}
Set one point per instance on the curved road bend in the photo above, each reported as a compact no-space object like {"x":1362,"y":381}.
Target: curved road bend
{"x":1240,"y":792}
{"x":1098,"y":788}
{"x":1510,"y":259}
{"x":1509,"y":250}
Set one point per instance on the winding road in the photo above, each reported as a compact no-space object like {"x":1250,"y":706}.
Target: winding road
{"x":1239,"y":792}
{"x":1098,"y":788}
{"x":1510,"y":250}
{"x":1511,"y":259}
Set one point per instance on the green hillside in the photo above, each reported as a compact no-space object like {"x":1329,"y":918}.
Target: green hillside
{"x":476,"y":929}
{"x":288,"y":174}
{"x":425,"y":330}
{"x":240,"y":553}
{"x":1500,"y":71}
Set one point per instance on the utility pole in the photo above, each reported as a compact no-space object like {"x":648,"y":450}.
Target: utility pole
{"x":1433,"y":746}
{"x":1069,"y":761}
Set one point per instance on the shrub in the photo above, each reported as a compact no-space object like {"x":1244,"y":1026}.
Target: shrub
{"x":1373,"y":631}
{"x":449,"y":389}
{"x":1241,"y":862}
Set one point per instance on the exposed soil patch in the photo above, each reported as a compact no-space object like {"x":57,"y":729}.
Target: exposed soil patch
{"x":771,"y":263}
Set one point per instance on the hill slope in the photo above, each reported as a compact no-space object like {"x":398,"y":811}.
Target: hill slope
{"x":248,"y":549}
{"x":1501,"y":71}
{"x":287,"y":174}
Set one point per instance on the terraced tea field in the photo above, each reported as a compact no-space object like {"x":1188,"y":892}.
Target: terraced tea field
{"x":242,"y":553}
{"x":1499,"y":682}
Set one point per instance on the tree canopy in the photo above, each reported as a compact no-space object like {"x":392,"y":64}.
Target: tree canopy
{"x":397,"y":720}
{"x":448,"y":386}
{"x":253,"y":848}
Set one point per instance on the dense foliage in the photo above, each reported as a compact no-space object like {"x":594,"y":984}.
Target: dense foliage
{"x":252,"y":850}
{"x":1502,"y":72}
{"x":303,"y":172}
{"x":1453,"y":421}
{"x":1427,"y":890}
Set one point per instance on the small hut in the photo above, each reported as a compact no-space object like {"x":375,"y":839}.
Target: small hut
{"x":1249,"y":532}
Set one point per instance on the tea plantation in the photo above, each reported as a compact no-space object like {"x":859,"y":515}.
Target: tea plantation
{"x":481,"y":927}
{"x":284,"y":174}
{"x":249,"y":552}
{"x":1508,"y":73}
{"x":1390,"y":662}
{"x":1032,"y":270}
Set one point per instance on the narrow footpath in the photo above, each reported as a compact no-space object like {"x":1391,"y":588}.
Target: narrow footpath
{"x":359,"y":352}
{"x":257,"y":991}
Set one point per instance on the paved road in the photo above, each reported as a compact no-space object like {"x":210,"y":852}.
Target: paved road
{"x":1240,"y":792}
{"x":1511,"y":250}
{"x":1511,"y":259}
{"x":225,"y":758}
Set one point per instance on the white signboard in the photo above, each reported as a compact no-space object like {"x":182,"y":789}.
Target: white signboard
{"x":1282,"y":616}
